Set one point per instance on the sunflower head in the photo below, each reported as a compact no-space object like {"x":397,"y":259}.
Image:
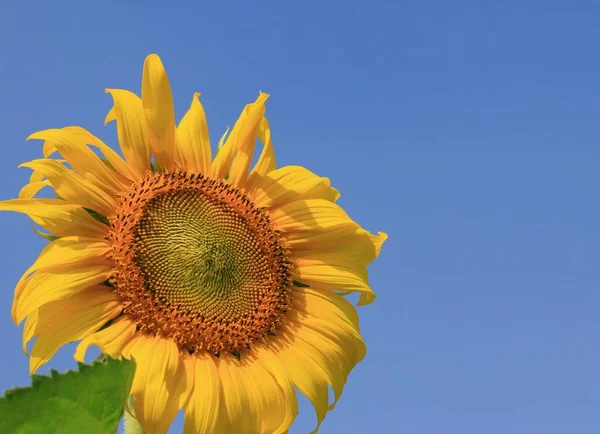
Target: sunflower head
{"x":225,"y":281}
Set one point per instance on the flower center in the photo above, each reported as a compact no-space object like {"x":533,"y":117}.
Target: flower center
{"x":196,"y":261}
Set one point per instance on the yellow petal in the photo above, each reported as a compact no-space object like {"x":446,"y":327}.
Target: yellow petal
{"x":193,"y":143}
{"x":319,"y":346}
{"x":331,"y":316}
{"x":29,"y":330}
{"x":334,"y":272}
{"x":351,"y":242}
{"x":310,"y":215}
{"x":324,"y":191}
{"x":263,"y":398}
{"x":65,"y":253}
{"x":57,"y":216}
{"x":30,"y":190}
{"x":250,"y":395}
{"x":240,"y":416}
{"x":190,"y":372}
{"x":275,"y":396}
{"x":72,"y":187}
{"x":37,"y":177}
{"x":324,"y":304}
{"x":159,"y":381}
{"x":74,"y":149}
{"x":132,"y":128}
{"x":111,"y":340}
{"x":290,"y":183}
{"x":81,"y":135}
{"x":242,"y":160}
{"x":240,"y":144}
{"x":308,"y":376}
{"x":43,"y":287}
{"x":329,"y":354}
{"x":71,"y":319}
{"x":159,"y":111}
{"x":205,"y":409}
{"x":266,"y":160}
{"x":114,"y":159}
{"x":378,"y":241}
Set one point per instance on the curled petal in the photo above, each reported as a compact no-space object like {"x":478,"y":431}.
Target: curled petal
{"x":44,"y":287}
{"x":72,"y":187}
{"x":266,"y":160}
{"x":291,"y":183}
{"x":110,"y":340}
{"x":60,"y":322}
{"x":57,"y":216}
{"x":240,"y":144}
{"x":132,"y":129}
{"x":73,"y":146}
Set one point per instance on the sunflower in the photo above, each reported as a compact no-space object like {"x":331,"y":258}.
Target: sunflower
{"x":225,"y":281}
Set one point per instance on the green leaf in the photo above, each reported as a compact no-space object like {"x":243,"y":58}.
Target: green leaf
{"x":90,"y":401}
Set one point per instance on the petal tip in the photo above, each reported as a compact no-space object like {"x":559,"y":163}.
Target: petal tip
{"x":33,"y":136}
{"x":110,"y":116}
{"x":153,"y":62}
{"x":152,"y":57}
{"x":262,"y":96}
{"x":366,"y":298}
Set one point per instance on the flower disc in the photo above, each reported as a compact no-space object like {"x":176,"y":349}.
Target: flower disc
{"x":198,"y":262}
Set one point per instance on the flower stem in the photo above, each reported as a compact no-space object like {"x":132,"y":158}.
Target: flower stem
{"x":132,"y":426}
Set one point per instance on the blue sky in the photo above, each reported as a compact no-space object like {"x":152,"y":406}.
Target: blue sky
{"x":467,"y":130}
